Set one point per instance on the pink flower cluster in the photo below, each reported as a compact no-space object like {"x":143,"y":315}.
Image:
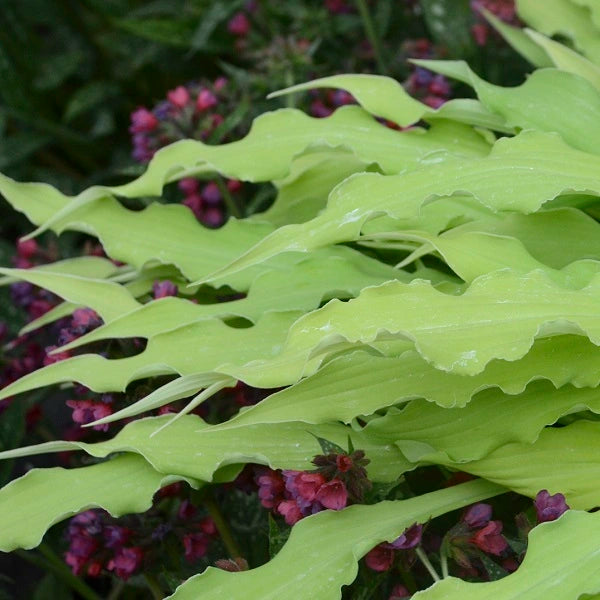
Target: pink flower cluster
{"x":297,"y":494}
{"x":422,"y":84}
{"x":324,"y":104}
{"x":94,"y":545}
{"x":189,"y":111}
{"x":205,"y":200}
{"x":98,"y":543}
{"x":505,"y":10}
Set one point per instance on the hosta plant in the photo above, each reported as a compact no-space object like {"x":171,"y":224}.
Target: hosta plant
{"x":420,"y":299}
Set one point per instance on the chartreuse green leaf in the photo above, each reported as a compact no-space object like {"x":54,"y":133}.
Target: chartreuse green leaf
{"x":564,"y":17}
{"x":381,"y":96}
{"x":520,"y":174}
{"x":566,"y":59}
{"x":194,"y":348}
{"x":461,"y":334}
{"x":519,"y":40}
{"x":110,"y":300}
{"x":426,"y":432}
{"x":359,"y":383}
{"x":556,"y":237}
{"x":564,"y":459}
{"x":594,"y":9}
{"x":64,"y":309}
{"x":303,"y":193}
{"x":385,"y":97}
{"x":473,"y":253}
{"x":277,"y":137}
{"x":574,"y":112}
{"x":42,"y":497}
{"x":264,"y":154}
{"x":325,"y":274}
{"x":562,"y":561}
{"x":323,"y":550}
{"x":94,"y":267}
{"x":191,"y":448}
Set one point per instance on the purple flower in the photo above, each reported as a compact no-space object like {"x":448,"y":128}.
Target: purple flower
{"x":477,"y":515}
{"x":411,"y":538}
{"x":213,"y":217}
{"x":162,"y":289}
{"x":211,"y":193}
{"x":115,"y":536}
{"x":271,"y":488}
{"x":549,"y":508}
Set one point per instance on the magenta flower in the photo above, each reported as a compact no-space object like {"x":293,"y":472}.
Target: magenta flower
{"x":549,"y":508}
{"x":142,"y":121}
{"x":125,"y":562}
{"x":290,"y":510}
{"x":303,"y":486}
{"x":239,"y":25}
{"x":85,"y":319}
{"x":477,"y":515}
{"x":188,"y":185}
{"x":27,"y":248}
{"x":86,"y":411}
{"x":179,"y":97}
{"x":489,"y":539}
{"x":380,"y":558}
{"x":196,"y":545}
{"x":206,"y":100}
{"x":333,"y":495}
{"x":162,"y":289}
{"x":398,"y":592}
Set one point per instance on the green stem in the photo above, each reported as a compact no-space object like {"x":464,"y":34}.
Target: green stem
{"x":231,"y":204}
{"x":409,"y":581}
{"x":444,"y":561}
{"x":423,"y":557}
{"x":290,"y":99}
{"x":51,"y":562}
{"x":116,"y":590}
{"x":365,"y":15}
{"x":153,"y":586}
{"x":224,"y":531}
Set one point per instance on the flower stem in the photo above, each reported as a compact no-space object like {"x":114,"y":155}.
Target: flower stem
{"x":230,"y":203}
{"x":371,"y":35}
{"x":444,"y":561}
{"x":51,"y":562}
{"x":423,"y":557}
{"x":222,"y":526}
{"x":153,"y":586}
